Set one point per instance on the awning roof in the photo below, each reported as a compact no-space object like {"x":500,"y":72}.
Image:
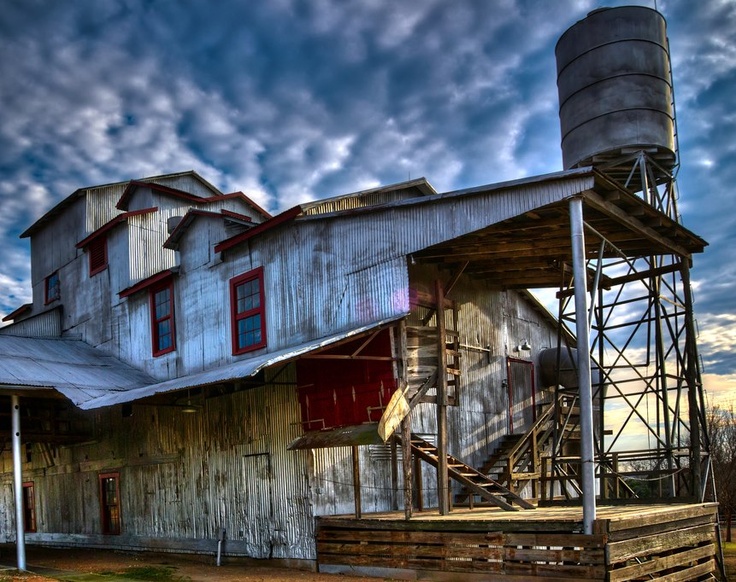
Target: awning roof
{"x":90,"y":378}
{"x":47,"y":367}
{"x":533,"y":249}
{"x":227,"y":373}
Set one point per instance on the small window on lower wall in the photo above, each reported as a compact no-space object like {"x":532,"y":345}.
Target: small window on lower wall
{"x":110,"y":511}
{"x":52,"y":288}
{"x":97,"y":250}
{"x":29,"y":507}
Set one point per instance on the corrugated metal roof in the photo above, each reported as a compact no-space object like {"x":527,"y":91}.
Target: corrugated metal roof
{"x":91,"y":379}
{"x":234,"y":371}
{"x":77,"y":370}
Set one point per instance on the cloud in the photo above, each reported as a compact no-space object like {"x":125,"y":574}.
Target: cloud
{"x":291,"y":101}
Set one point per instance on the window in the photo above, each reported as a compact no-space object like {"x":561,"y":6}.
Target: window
{"x":29,"y":508}
{"x":97,"y":250}
{"x":248,"y":312}
{"x":110,"y":503}
{"x":53,"y":288}
{"x":162,"y":318}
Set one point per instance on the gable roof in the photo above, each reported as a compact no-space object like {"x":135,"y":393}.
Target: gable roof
{"x":408,"y":190}
{"x":26,"y":307}
{"x":80,"y":192}
{"x":192,"y":214}
{"x":133,"y":185}
{"x":372,"y":198}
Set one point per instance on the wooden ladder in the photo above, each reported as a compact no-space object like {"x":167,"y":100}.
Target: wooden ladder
{"x":471,"y":479}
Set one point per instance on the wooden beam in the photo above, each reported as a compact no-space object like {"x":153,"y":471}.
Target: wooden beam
{"x":443,"y":493}
{"x":406,"y":450}
{"x":356,"y":482}
{"x":596,"y":201}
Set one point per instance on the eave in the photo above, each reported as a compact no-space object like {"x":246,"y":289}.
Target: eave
{"x":105,"y":228}
{"x":533,"y":249}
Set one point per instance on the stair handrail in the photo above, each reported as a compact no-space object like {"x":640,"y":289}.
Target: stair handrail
{"x":546,"y":415}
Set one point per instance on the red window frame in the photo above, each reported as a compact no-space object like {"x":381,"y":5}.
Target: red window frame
{"x":97,"y":250}
{"x":162,"y":320}
{"x":52,"y":288}
{"x":110,"y":508}
{"x":247,"y":320}
{"x":29,"y":507}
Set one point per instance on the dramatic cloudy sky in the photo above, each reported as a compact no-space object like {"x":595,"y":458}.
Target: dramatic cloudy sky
{"x":292,"y":100}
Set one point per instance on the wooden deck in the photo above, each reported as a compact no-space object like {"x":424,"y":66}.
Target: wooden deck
{"x":633,"y":542}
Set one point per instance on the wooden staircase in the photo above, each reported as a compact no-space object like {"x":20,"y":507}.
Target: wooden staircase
{"x":521,"y":459}
{"x":495,"y":466}
{"x":472,"y":480}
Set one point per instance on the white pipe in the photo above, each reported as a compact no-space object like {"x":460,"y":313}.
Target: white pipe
{"x":18,"y":484}
{"x":584,"y":383}
{"x":220,"y":539}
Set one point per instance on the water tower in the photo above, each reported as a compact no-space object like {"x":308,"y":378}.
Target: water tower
{"x":616,"y":100}
{"x":617,"y":114}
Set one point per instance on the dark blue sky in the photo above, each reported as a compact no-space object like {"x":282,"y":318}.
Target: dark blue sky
{"x":293,"y":100}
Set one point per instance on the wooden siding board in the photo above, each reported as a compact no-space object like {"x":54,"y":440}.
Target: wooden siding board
{"x":659,"y":564}
{"x":658,"y":543}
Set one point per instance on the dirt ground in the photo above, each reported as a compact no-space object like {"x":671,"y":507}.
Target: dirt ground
{"x":45,"y":564}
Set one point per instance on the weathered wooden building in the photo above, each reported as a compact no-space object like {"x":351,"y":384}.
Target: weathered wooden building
{"x":334,"y":292}
{"x":287,"y":336}
{"x":193,"y":371}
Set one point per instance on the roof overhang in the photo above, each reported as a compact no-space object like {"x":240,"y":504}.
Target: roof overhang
{"x":238,"y":370}
{"x":361,"y":434}
{"x":54,"y":368}
{"x":533,"y":249}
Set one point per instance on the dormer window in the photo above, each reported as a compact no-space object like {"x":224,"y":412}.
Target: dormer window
{"x":52,"y":288}
{"x":97,"y":250}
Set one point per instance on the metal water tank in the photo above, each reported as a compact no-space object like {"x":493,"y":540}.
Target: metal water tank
{"x":614,"y":84}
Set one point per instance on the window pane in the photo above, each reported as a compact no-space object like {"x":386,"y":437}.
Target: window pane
{"x":248,"y":296}
{"x":53,"y":287}
{"x":164,"y":334}
{"x":163,"y":303}
{"x":249,"y":331}
{"x":111,"y":493}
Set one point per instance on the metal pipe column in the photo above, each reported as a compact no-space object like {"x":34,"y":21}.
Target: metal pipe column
{"x":18,"y":484}
{"x":582,"y":331}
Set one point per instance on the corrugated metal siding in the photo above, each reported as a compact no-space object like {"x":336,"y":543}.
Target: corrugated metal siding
{"x":54,"y":247}
{"x":100,"y":203}
{"x":183,"y":477}
{"x":187,"y":183}
{"x":321,"y":276}
{"x":404,"y":228}
{"x":47,"y":324}
{"x":146,"y":236}
{"x":360,"y":201}
{"x":333,"y":482}
{"x":487,"y":319}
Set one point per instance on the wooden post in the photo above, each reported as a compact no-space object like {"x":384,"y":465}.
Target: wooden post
{"x":402,"y":375}
{"x":394,"y":474}
{"x":443,"y":496}
{"x":418,"y":483}
{"x":356,"y":482}
{"x":545,"y":461}
{"x":406,"y":444}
